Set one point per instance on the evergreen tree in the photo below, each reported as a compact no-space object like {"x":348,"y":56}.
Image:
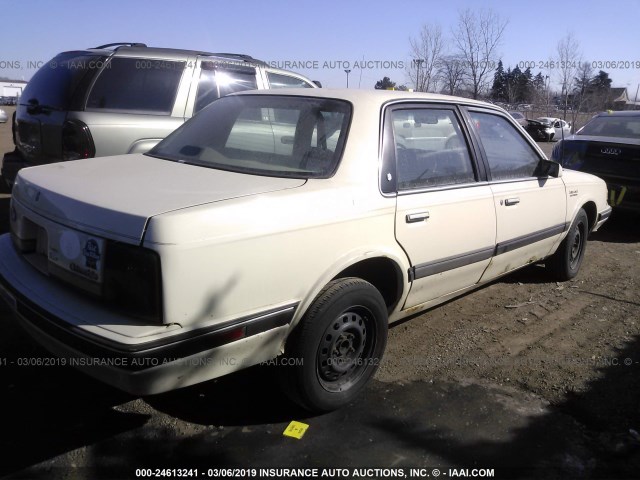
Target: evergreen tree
{"x":498,"y":90}
{"x":524,"y":86}
{"x":385,"y":84}
{"x":538,"y":82}
{"x":601,"y":82}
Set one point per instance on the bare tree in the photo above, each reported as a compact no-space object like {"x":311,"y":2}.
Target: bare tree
{"x":477,"y":37}
{"x":582,"y":87}
{"x":426,"y":51}
{"x":569,"y":59}
{"x":451,"y":73}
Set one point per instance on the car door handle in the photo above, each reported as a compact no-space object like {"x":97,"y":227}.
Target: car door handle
{"x":512,"y":201}
{"x":417,"y":217}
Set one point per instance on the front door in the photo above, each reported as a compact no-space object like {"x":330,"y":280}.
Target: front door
{"x":530,"y":207}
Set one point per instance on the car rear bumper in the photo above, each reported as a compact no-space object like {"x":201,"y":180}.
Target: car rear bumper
{"x":143,"y":366}
{"x":624,"y":195}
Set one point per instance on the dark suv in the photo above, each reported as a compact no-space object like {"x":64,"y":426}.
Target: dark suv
{"x":124,"y":98}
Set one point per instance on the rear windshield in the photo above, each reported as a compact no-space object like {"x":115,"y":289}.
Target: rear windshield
{"x":54,"y":85}
{"x":280,"y":136}
{"x":613,"y":126}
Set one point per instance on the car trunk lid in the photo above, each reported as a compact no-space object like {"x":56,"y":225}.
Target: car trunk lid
{"x":608,"y":157}
{"x":115,"y":196}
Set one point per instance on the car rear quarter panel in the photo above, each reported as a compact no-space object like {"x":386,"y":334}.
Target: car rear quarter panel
{"x":241,"y":256}
{"x":117,"y":133}
{"x":246,"y":255}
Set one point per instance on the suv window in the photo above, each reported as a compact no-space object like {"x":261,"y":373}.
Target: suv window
{"x":509,"y":155}
{"x":430,"y":149}
{"x":217,"y":82}
{"x":55,"y":83}
{"x":137,"y":85}
{"x":278,"y":80}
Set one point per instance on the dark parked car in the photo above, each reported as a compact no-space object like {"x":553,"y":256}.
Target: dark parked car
{"x":609,"y":147}
{"x":540,"y":130}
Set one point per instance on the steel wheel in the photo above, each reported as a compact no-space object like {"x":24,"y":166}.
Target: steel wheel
{"x":344,"y":349}
{"x":565,"y":263}
{"x":338,"y":344}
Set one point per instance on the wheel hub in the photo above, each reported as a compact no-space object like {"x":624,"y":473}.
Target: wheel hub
{"x":340,"y":355}
{"x":576,"y":247}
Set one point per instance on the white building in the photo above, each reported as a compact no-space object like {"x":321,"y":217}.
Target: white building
{"x":12,"y":88}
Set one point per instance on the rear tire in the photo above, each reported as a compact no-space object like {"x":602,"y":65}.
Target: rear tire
{"x":565,"y":263}
{"x":337,"y":346}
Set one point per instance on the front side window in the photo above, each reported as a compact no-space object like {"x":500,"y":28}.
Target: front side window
{"x":265,"y":135}
{"x":509,"y":155}
{"x":277,"y":80}
{"x":137,"y":85}
{"x":430,"y":149}
{"x":216,"y":81}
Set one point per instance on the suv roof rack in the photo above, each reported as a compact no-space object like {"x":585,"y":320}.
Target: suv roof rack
{"x":120,"y":44}
{"x":237,"y":56}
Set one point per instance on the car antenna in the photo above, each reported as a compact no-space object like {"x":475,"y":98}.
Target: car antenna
{"x":562,"y":143}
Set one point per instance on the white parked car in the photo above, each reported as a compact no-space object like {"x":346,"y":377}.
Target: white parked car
{"x":3,"y":116}
{"x":284,"y":224}
{"x":558,"y":126}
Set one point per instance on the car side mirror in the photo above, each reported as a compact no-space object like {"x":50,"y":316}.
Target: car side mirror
{"x":548,"y":168}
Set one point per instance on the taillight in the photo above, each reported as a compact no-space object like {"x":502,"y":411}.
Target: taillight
{"x":77,"y":142}
{"x":132,"y":281}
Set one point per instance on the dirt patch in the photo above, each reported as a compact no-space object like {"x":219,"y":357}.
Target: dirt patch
{"x":573,"y":344}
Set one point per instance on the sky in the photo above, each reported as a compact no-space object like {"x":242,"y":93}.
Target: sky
{"x":322,"y":37}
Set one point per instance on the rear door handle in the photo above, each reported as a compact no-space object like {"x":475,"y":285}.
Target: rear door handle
{"x":512,"y":201}
{"x":417,"y":217}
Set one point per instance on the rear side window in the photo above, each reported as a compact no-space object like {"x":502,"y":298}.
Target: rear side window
{"x":56,"y":83}
{"x":217,"y":82}
{"x":430,"y":149}
{"x":509,"y":155}
{"x":277,"y":80}
{"x":137,"y":85}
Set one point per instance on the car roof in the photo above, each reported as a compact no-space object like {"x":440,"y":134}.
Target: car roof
{"x":140,"y":49}
{"x":378,"y":96}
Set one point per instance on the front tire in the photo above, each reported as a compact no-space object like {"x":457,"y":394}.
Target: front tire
{"x":565,"y":263}
{"x":337,"y":347}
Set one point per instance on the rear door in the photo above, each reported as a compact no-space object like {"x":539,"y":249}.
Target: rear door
{"x":136,"y":102}
{"x":445,"y":217}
